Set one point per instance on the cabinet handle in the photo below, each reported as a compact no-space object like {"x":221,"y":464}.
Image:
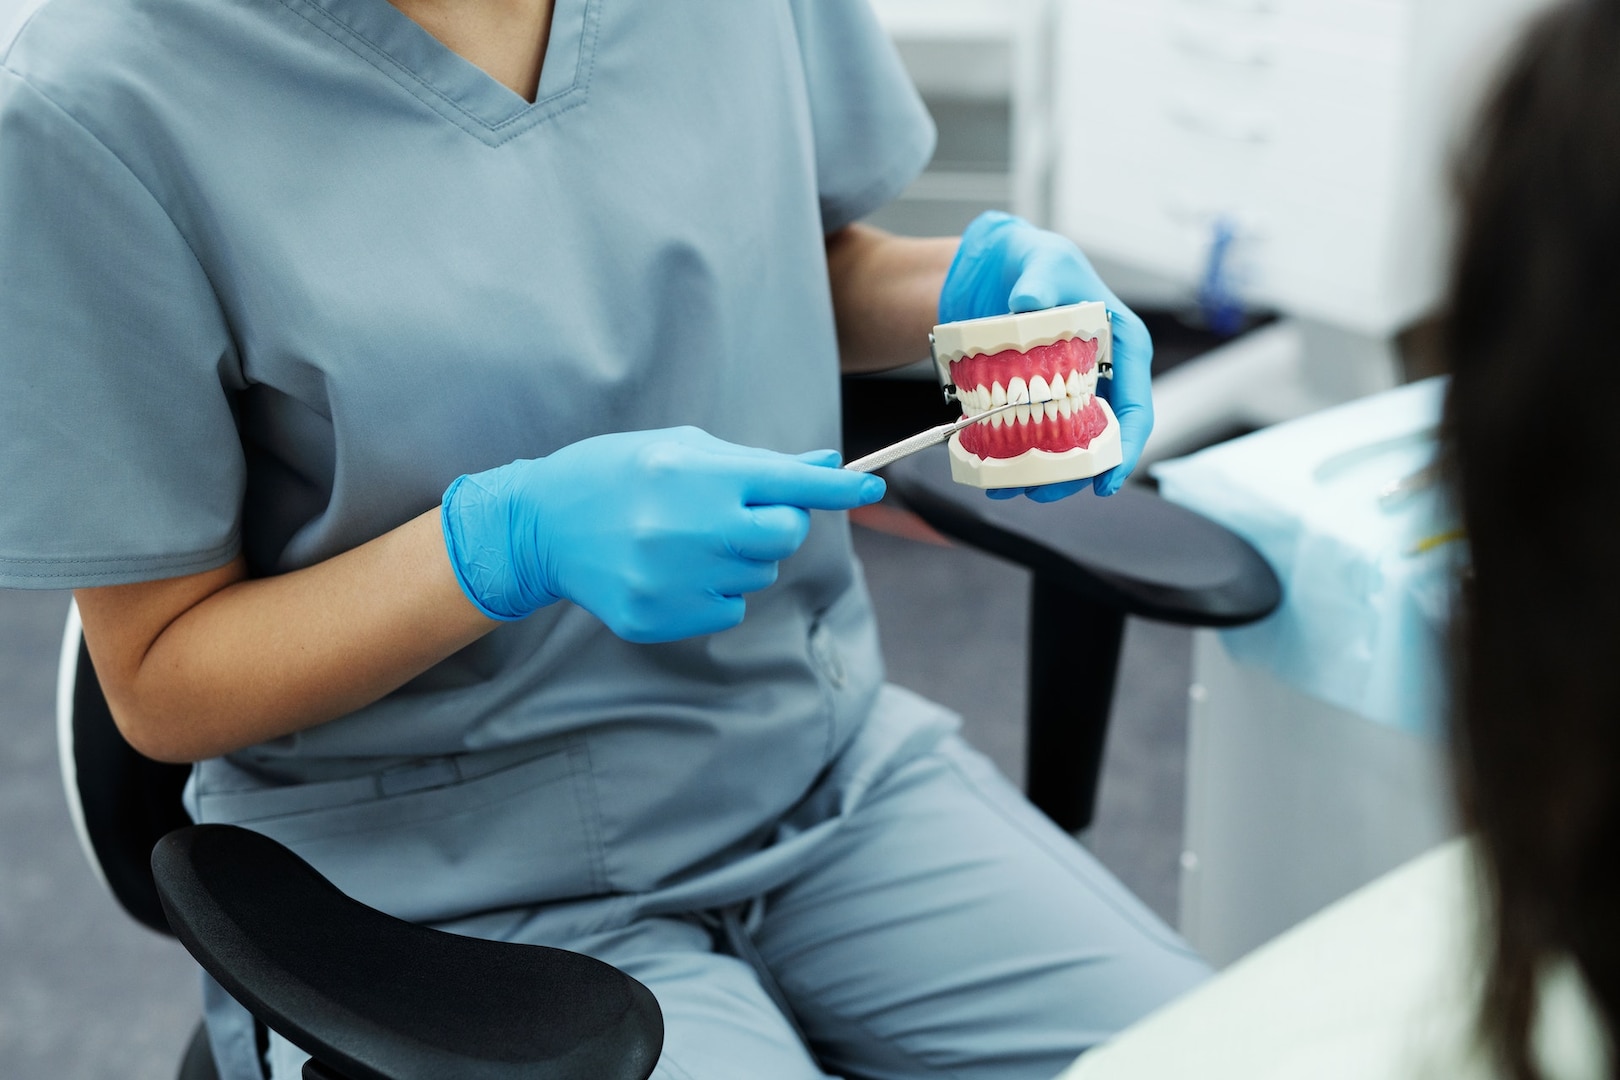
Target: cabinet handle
{"x":1225,"y":126}
{"x":1248,"y":54}
{"x":1247,"y":7}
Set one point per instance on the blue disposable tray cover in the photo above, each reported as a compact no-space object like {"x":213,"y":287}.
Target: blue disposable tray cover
{"x":1363,"y":620}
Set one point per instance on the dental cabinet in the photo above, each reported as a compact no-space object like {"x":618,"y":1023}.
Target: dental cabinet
{"x":1293,"y":154}
{"x":1316,"y":131}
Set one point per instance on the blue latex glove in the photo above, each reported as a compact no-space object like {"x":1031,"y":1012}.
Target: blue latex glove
{"x":657,"y":533}
{"x":1006,"y":265}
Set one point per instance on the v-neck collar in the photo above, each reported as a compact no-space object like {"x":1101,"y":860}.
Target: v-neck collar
{"x":456,"y":88}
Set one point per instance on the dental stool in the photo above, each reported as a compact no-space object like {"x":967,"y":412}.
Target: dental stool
{"x":1093,"y":563}
{"x":369,"y":996}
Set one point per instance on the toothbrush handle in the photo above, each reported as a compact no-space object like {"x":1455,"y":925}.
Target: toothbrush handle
{"x":904,"y":448}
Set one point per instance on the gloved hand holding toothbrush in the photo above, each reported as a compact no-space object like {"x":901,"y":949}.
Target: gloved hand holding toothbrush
{"x":657,"y":533}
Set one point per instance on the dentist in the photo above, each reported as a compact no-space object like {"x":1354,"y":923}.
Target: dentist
{"x":427,"y":404}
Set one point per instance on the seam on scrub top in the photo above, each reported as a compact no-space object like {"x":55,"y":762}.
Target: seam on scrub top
{"x":385,"y":55}
{"x":581,"y":83}
{"x":155,"y":562}
{"x":475,"y":126}
{"x":890,"y":184}
{"x":135,"y":176}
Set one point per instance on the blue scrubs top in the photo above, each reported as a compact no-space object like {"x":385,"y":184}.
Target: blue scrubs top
{"x":277,"y":271}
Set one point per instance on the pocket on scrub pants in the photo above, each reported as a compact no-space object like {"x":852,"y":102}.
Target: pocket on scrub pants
{"x":443,"y":837}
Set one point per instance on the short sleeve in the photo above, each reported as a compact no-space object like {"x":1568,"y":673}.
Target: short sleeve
{"x":873,"y":134}
{"x":122,"y":460}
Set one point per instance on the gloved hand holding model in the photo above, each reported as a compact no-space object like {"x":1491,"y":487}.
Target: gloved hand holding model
{"x":1005,"y":265}
{"x":656,"y":533}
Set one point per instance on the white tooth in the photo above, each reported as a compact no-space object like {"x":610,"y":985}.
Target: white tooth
{"x":1039,"y":390}
{"x":998,"y":396}
{"x":1022,"y":413}
{"x":998,"y":419}
{"x":1074,"y":384}
{"x":1017,"y":389}
{"x":1052,"y":409}
{"x":1065,"y":406}
{"x":984,"y":397}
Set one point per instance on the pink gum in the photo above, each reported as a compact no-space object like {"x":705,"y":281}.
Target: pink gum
{"x":1047,"y":361}
{"x":1014,"y":437}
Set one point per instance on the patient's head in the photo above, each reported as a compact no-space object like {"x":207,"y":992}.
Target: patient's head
{"x":1533,"y":433}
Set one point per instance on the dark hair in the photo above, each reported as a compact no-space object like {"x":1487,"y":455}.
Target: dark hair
{"x":1532,"y":442}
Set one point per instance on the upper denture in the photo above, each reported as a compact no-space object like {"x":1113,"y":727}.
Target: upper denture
{"x":1054,"y":361}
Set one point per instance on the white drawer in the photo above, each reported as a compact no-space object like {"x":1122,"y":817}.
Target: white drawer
{"x":1224,"y":36}
{"x":1368,"y":28}
{"x":1232,"y":8}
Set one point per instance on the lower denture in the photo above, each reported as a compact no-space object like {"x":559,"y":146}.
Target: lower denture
{"x":1012,"y":437}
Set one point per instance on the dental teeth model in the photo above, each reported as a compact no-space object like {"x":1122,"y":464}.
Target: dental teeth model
{"x":1048,"y":361}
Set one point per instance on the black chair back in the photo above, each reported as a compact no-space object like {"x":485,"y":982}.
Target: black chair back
{"x":123,"y":802}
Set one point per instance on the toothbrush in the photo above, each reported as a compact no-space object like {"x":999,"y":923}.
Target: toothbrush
{"x":922,"y":440}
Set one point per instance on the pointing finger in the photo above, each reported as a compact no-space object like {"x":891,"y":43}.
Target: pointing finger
{"x":787,"y":482}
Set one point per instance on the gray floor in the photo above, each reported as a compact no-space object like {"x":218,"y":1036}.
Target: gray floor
{"x":86,"y":994}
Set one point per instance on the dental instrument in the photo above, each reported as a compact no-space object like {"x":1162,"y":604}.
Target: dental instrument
{"x":1397,"y":494}
{"x":922,"y":441}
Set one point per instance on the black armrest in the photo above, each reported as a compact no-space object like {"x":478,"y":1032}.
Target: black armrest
{"x":372,"y":997}
{"x":1095,"y":561}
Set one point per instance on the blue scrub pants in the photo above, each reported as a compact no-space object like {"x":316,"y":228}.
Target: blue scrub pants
{"x":945,"y":928}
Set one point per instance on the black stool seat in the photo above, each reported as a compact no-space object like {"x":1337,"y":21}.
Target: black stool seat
{"x":372,"y":997}
{"x":1132,"y":552}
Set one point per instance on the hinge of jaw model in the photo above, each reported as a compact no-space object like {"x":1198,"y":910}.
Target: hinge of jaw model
{"x":943,"y":373}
